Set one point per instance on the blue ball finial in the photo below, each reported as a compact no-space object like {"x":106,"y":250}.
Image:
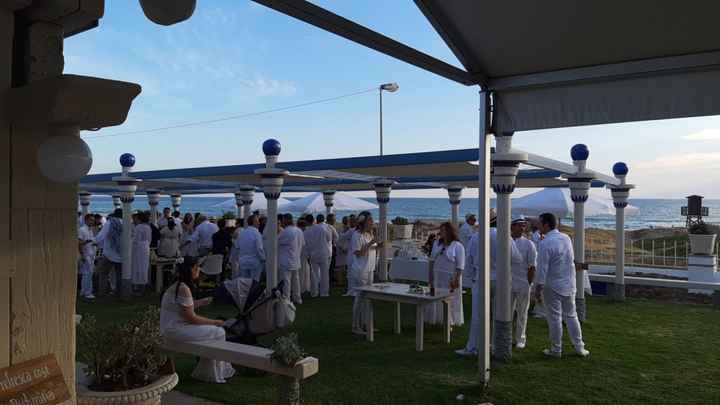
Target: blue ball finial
{"x":579,"y":152}
{"x":620,"y":169}
{"x":127,"y":160}
{"x":271,"y":147}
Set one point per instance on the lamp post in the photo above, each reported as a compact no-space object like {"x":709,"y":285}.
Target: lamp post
{"x":620,"y":195}
{"x":127,"y":186}
{"x":392,"y":88}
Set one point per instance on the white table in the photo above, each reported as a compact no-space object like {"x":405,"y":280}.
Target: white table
{"x":398,"y":293}
{"x":160,"y":263}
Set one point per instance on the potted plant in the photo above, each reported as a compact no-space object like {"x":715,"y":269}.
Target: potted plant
{"x":702,"y":239}
{"x":287,"y":351}
{"x":402,"y":228}
{"x":123,"y":363}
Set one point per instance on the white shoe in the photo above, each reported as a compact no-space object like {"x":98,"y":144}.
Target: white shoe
{"x":359,"y":332}
{"x":582,"y":352}
{"x":551,"y":353}
{"x":520,"y":346}
{"x":90,"y":297}
{"x":465,"y":353}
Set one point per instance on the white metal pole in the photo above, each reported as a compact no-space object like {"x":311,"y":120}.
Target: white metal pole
{"x":579,"y":244}
{"x":127,"y":186}
{"x":271,"y":234}
{"x":484,"y":241}
{"x":620,"y":194}
{"x":381,"y":122}
{"x":382,"y":191}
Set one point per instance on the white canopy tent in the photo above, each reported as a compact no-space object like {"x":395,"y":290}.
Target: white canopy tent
{"x":559,"y":202}
{"x":315,"y":204}
{"x":259,"y":203}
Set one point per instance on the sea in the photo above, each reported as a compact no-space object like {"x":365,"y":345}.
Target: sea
{"x":653,"y":213}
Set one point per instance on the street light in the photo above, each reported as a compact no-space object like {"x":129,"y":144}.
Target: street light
{"x":392,"y":88}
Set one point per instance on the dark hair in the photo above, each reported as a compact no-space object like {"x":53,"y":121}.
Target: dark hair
{"x":176,"y":214}
{"x":309,"y":219}
{"x":166,"y":209}
{"x":184,"y":274}
{"x":451,"y":233}
{"x":549,"y":220}
{"x":240,"y":223}
{"x":252,"y":220}
{"x":118,"y":213}
{"x":143,"y":216}
{"x":221,"y":223}
{"x":320,"y":218}
{"x":288,"y":218}
{"x":171,"y":224}
{"x":188,"y":219}
{"x":345,"y":220}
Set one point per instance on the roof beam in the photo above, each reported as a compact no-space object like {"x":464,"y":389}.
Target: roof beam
{"x":331,"y":22}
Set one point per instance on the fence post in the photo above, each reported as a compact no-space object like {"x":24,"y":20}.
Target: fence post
{"x":652,"y":255}
{"x":664,"y":256}
{"x":675,"y":254}
{"x":642,"y":251}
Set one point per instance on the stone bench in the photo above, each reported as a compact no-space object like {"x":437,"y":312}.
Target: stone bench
{"x":254,"y":357}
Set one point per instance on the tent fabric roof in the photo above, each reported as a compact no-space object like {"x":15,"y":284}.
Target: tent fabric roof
{"x":409,"y":171}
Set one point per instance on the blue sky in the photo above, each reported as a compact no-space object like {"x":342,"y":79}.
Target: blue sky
{"x":236,"y":57}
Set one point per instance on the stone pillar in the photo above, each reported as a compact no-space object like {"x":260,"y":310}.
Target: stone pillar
{"x":127,"y":186}
{"x":620,"y":195}
{"x":117,"y":201}
{"x":382,"y":191}
{"x":579,"y":183}
{"x":175,"y":201}
{"x":455,"y":195}
{"x":272,"y":179}
{"x":505,"y":169}
{"x":329,"y":197}
{"x":247,"y":194}
{"x":238,"y":205}
{"x":153,"y":197}
{"x":84,"y":198}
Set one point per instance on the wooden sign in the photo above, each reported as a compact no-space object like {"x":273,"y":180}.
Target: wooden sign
{"x":36,"y":382}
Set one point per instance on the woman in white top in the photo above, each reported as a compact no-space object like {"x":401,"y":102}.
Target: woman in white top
{"x":449,"y":256}
{"x":344,"y":247}
{"x":142,"y":236}
{"x":178,"y":321}
{"x":170,"y":235}
{"x":188,"y":228}
{"x":362,"y":266}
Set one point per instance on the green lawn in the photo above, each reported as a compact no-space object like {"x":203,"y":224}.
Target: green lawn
{"x":642,"y":352}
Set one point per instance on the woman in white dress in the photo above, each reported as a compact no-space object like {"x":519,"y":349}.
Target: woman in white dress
{"x":142,"y":236}
{"x":449,"y":256}
{"x":188,"y":228}
{"x":362,"y":266}
{"x":170,"y":235}
{"x":178,"y":321}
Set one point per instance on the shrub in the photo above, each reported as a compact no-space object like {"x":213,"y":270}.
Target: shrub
{"x":400,"y":221}
{"x":701,"y":229}
{"x":228,"y":215}
{"x":287,"y":350}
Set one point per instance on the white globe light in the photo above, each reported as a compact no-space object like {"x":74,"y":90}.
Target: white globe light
{"x":64,"y":158}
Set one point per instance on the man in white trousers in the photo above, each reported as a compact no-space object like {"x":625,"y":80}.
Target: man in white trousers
{"x":472,"y":263}
{"x":290,"y":245}
{"x":522,"y":264}
{"x":319,"y":239}
{"x":556,"y":282}
{"x":86,"y":264}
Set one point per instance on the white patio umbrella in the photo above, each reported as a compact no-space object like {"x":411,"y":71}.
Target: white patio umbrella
{"x":315,"y":204}
{"x":557,"y":201}
{"x":259,"y":203}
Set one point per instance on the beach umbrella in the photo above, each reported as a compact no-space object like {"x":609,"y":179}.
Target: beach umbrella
{"x":259,"y":203}
{"x":315,"y":204}
{"x":557,"y":201}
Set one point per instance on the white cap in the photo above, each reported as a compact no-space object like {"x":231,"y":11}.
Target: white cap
{"x":516,"y":219}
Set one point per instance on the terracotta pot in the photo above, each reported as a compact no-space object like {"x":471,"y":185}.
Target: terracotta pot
{"x":148,"y":395}
{"x":402,"y":231}
{"x":702,"y":244}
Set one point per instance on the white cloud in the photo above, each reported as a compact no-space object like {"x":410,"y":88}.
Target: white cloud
{"x":704,"y":135}
{"x":269,"y":87}
{"x":683,"y":161}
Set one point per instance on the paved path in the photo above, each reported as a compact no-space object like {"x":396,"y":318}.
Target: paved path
{"x":178,"y":398}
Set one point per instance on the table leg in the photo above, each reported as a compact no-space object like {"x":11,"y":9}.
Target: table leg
{"x":419,"y":326}
{"x":446,"y":323}
{"x":158,"y":279}
{"x":370,"y":324}
{"x":397,"y":319}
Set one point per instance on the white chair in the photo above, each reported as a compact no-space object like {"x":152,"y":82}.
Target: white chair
{"x":212,"y":266}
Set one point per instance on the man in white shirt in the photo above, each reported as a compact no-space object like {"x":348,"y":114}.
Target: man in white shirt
{"x":203,"y":235}
{"x":522,"y":264}
{"x":86,"y":263}
{"x":556,"y":282}
{"x":467,"y":230}
{"x":290,"y":245}
{"x":166,"y":216}
{"x":250,"y":251}
{"x":319,"y":239}
{"x":110,"y":238}
{"x":472,"y":264}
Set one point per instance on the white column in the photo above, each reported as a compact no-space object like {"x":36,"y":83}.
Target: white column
{"x":382,"y":191}
{"x":117,"y":201}
{"x":248,"y":194}
{"x":238,"y":205}
{"x":272,"y":180}
{"x":153,"y":197}
{"x":176,"y":201}
{"x":455,"y":195}
{"x":84,"y":198}
{"x":127,"y":186}
{"x":620,"y":195}
{"x":579,"y":183}
{"x":329,"y":198}
{"x":505,"y":169}
{"x":483,"y":240}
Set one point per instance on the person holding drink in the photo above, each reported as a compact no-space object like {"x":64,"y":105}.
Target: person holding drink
{"x":448,"y":255}
{"x":363,"y":248}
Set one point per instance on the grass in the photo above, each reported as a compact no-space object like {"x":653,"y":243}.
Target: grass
{"x":642,"y":352}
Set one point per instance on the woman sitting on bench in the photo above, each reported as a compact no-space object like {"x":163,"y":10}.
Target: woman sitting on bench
{"x":178,"y":321}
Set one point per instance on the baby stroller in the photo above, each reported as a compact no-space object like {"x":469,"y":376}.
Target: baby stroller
{"x":260,"y":313}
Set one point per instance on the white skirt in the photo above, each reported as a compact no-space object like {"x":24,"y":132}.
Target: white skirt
{"x":434,"y":314}
{"x":212,"y":371}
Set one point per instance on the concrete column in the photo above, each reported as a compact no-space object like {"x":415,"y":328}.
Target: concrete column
{"x":505,"y":169}
{"x":153,"y":197}
{"x":272,"y":179}
{"x":483,"y":241}
{"x":127,"y":186}
{"x":117,"y":201}
{"x":176,"y":200}
{"x":579,"y":183}
{"x":382,"y":191}
{"x":329,"y":197}
{"x":455,"y":195}
{"x":238,"y":205}
{"x":248,"y":194}
{"x":620,"y":195}
{"x":84,"y":198}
